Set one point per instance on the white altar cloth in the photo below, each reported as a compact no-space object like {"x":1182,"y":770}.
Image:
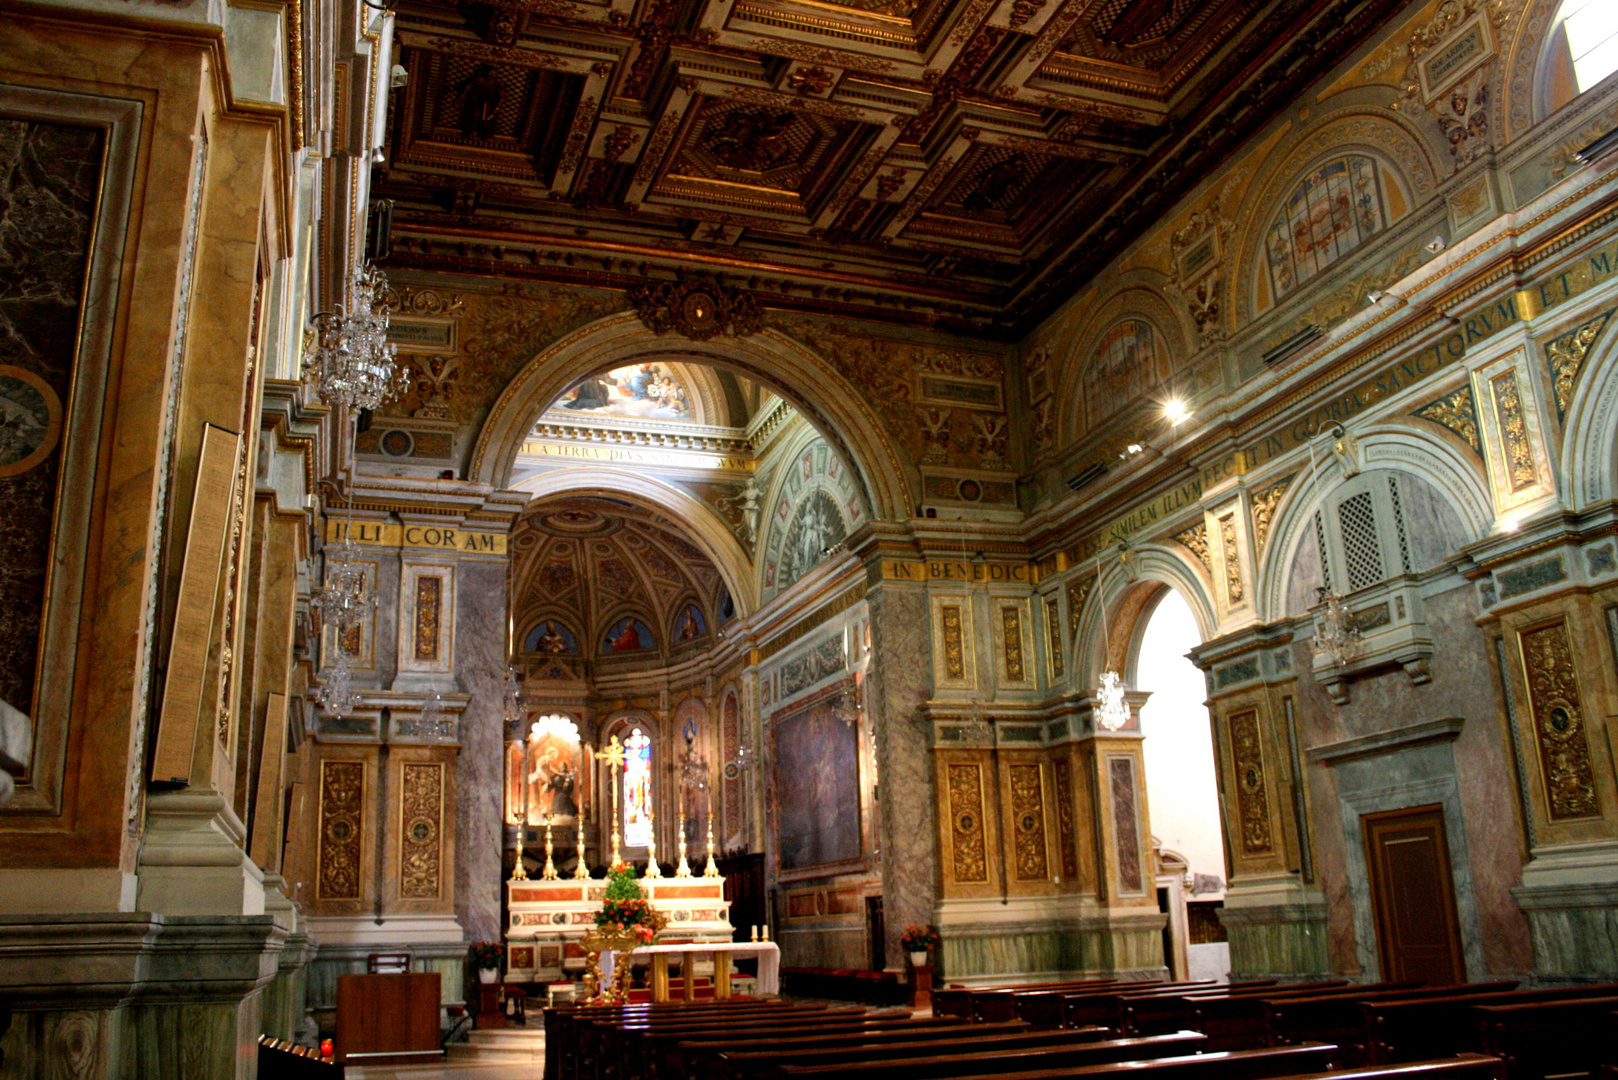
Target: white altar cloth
{"x":768,"y":953}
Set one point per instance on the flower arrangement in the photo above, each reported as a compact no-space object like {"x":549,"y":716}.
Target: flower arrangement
{"x":486,"y":955}
{"x":920,"y":938}
{"x":624,"y":908}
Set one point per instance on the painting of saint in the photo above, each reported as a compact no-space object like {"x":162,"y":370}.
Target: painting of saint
{"x":628,"y":635}
{"x":1332,"y":211}
{"x":553,"y":777}
{"x":690,"y":625}
{"x":817,"y":787}
{"x":552,"y":637}
{"x":644,"y":391}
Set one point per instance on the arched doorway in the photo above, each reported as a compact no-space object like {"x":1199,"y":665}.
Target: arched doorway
{"x":1182,"y":789}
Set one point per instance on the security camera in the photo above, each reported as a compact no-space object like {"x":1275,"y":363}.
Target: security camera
{"x":399,"y":77}
{"x":1437,"y":244}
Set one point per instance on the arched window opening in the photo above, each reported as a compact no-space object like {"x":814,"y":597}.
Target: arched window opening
{"x":1182,"y":787}
{"x":1591,"y":29}
{"x":637,"y":789}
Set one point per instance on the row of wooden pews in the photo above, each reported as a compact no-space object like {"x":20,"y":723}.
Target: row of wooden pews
{"x":1533,"y":1033}
{"x":750,"y":1039}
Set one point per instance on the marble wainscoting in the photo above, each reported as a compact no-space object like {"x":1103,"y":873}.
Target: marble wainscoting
{"x":1044,"y":937}
{"x":900,"y":674}
{"x":133,"y":994}
{"x":480,"y":665}
{"x":1277,"y":929}
{"x":1571,"y":899}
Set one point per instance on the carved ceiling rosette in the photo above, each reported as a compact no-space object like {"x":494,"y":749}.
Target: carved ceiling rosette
{"x":697,"y":310}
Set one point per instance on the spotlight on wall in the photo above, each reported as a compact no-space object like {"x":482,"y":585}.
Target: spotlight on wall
{"x":377,"y":156}
{"x":1374,"y":296}
{"x":1437,"y":244}
{"x":1133,"y":448}
{"x":1511,"y":525}
{"x":1175,"y":412}
{"x":398,"y":78}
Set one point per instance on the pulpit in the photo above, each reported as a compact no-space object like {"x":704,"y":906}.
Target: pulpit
{"x":388,"y":1019}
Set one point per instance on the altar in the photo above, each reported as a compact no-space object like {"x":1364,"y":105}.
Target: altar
{"x":769,"y":966}
{"x":548,"y":918}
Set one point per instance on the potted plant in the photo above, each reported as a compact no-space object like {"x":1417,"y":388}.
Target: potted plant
{"x":917,"y":940}
{"x":486,"y":959}
{"x":626,"y":920}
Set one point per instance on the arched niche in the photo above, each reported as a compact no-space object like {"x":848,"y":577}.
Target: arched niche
{"x":1447,"y":490}
{"x":1120,"y":604}
{"x":1527,"y":92}
{"x":705,"y":527}
{"x":786,"y":497}
{"x":802,"y":377}
{"x":1590,"y":428}
{"x":1107,"y":377}
{"x":1405,"y":167}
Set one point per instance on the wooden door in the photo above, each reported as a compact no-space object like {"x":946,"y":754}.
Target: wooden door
{"x":1413,"y":893}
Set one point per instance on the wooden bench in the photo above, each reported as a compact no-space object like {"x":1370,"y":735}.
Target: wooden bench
{"x":655,"y":1054}
{"x":1106,"y":1007}
{"x":746,"y":1054}
{"x":566,"y":1026}
{"x":1240,"y":1021}
{"x":1043,"y":1005}
{"x":1282,"y":1061}
{"x":934,"y":1045}
{"x":1551,"y":1038}
{"x":1442,"y":1023}
{"x":846,"y":984}
{"x":1336,"y":1017}
{"x":1068,"y":1055}
{"x":613,"y":1049}
{"x":1172,"y":1012}
{"x":1464,"y":1067}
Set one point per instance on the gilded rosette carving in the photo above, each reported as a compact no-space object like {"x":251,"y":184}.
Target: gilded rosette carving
{"x":954,"y":657}
{"x":967,"y":848}
{"x":342,"y":794}
{"x":1559,"y":731}
{"x":421,"y":815}
{"x":429,"y":590}
{"x":1233,"y":566}
{"x":1252,"y":800}
{"x":1053,"y":632}
{"x":1077,"y":593}
{"x":1028,"y":823}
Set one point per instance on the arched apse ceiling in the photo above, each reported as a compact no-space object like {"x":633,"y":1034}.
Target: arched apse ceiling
{"x":593,"y":565}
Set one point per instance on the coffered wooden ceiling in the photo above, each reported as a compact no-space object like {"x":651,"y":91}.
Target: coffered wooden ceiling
{"x":959,"y":163}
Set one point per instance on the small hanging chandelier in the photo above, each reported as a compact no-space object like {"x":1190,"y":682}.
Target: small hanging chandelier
{"x":349,"y":356}
{"x":511,"y":695}
{"x":1114,"y":711}
{"x":336,"y":693}
{"x":1337,"y":634}
{"x":344,"y":600}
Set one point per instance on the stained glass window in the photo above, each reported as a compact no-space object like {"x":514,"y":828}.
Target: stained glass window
{"x":1332,"y":211}
{"x":637,"y":789}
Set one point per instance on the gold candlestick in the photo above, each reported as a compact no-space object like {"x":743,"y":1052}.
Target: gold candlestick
{"x":684,"y":869}
{"x":549,"y":873}
{"x":652,"y":869}
{"x":712,"y":869}
{"x":581,"y":872}
{"x":518,"y":873}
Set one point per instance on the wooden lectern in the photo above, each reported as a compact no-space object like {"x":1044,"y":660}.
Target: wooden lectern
{"x":388,"y":1019}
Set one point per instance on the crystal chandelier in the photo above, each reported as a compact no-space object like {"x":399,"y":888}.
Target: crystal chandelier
{"x":1337,"y":634}
{"x":511,"y":695}
{"x":349,"y":356}
{"x":344,"y":600}
{"x":1114,"y":711}
{"x":336,"y":693}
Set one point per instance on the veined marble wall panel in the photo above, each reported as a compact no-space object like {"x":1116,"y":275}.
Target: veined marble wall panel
{"x":480,"y":665}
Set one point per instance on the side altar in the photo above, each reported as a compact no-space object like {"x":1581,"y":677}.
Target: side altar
{"x":549,"y":916}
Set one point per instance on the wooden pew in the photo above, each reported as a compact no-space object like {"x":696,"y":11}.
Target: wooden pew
{"x":650,"y":1055}
{"x":1464,"y":1067}
{"x":1172,"y":1012}
{"x":1105,"y":1007}
{"x":1005,"y":1003}
{"x":567,"y":1028}
{"x":745,"y":1054}
{"x":956,"y":1000}
{"x":1536,"y":1039}
{"x":1070,"y":1055}
{"x":609,"y":1046}
{"x":1043,"y":1008}
{"x":1240,"y":1021}
{"x":1282,"y":1061}
{"x":1440,"y":1023}
{"x":1336,"y":1017}
{"x":935,"y":1045}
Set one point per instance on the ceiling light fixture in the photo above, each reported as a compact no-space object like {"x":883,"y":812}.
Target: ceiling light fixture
{"x":1175,"y":411}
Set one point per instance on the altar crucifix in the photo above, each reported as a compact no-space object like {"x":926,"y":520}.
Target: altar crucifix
{"x":613,"y":755}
